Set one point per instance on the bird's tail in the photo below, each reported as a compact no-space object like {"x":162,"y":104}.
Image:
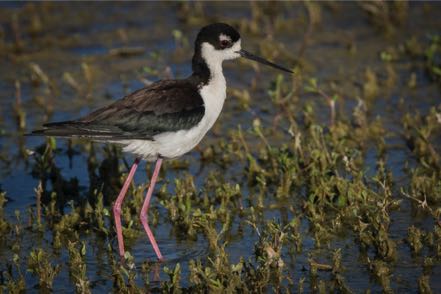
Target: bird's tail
{"x":69,"y":129}
{"x":78,"y":129}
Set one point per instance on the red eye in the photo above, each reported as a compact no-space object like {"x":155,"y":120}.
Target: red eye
{"x":225,"y":43}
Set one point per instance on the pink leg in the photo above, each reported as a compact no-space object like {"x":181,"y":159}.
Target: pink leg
{"x":145,"y":209}
{"x":117,"y":206}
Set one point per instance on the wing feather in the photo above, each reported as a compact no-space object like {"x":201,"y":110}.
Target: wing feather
{"x":165,"y":106}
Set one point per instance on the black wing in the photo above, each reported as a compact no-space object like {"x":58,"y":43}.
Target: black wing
{"x":164,"y":106}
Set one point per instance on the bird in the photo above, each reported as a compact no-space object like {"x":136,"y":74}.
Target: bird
{"x":165,"y":119}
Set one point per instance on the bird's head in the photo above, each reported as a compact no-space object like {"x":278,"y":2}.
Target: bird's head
{"x":219,"y":41}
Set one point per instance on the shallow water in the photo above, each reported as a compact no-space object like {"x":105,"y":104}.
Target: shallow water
{"x":72,"y":34}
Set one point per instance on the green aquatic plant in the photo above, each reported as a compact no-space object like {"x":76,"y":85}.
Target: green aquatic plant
{"x":387,"y":17}
{"x":4,"y":225}
{"x":338,"y":282}
{"x":312,"y":87}
{"x":415,"y":237}
{"x":38,"y":196}
{"x":180,"y":206}
{"x":432,"y":54}
{"x":382,"y":273}
{"x":371,"y":87}
{"x":173,"y":285}
{"x":99,"y":214}
{"x":424,"y":284}
{"x":14,"y":279}
{"x":20,"y":113}
{"x":40,"y":266}
{"x":419,"y":131}
{"x":77,"y":266}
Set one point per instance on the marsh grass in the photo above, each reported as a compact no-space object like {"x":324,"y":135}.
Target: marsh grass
{"x":300,"y":193}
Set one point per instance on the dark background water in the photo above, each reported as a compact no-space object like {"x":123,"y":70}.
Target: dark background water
{"x":71,"y":34}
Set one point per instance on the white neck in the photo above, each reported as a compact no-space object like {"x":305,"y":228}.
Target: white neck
{"x":215,"y":91}
{"x":214,"y":60}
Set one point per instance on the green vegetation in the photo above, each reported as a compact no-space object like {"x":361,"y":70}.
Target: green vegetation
{"x":316,"y":182}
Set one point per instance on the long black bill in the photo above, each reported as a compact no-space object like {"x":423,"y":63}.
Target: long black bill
{"x":248,"y":55}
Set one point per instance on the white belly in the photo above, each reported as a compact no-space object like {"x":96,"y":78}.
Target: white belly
{"x":174,"y":144}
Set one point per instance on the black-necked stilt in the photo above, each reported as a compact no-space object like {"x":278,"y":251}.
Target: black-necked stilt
{"x":165,"y":119}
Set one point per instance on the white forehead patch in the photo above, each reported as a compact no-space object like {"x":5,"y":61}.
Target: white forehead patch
{"x":223,"y":37}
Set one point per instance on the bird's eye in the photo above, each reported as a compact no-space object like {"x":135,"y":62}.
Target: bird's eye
{"x":224,"y":43}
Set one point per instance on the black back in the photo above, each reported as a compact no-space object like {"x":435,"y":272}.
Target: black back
{"x":165,"y":106}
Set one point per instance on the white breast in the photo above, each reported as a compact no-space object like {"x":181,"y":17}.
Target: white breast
{"x":174,"y":144}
